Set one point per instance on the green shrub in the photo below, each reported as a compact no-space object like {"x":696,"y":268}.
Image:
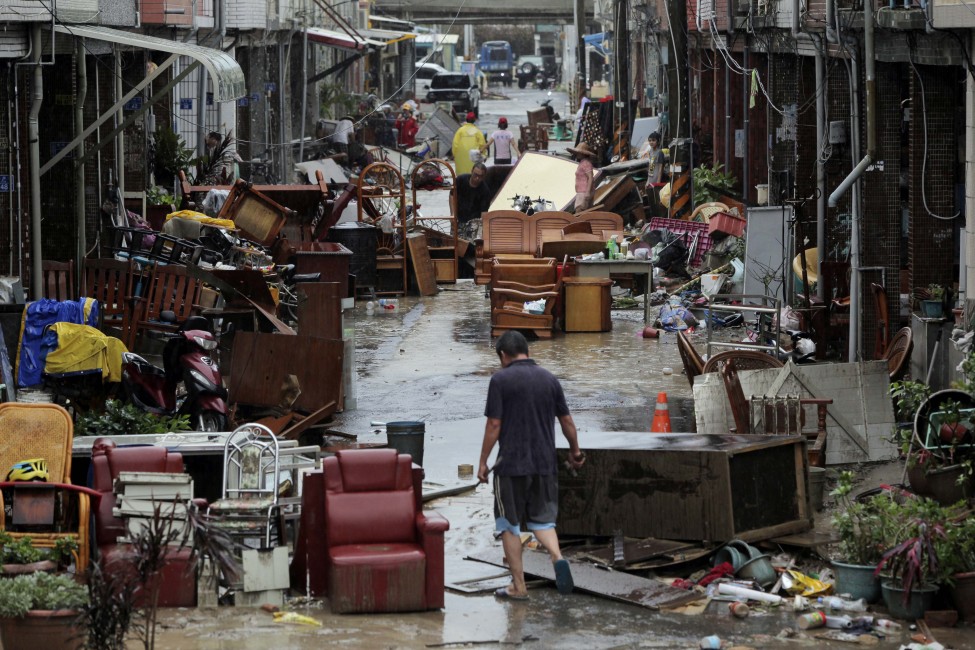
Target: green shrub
{"x":125,"y":419}
{"x":40,"y":591}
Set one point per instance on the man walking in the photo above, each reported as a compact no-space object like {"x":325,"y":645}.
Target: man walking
{"x":523,"y":402}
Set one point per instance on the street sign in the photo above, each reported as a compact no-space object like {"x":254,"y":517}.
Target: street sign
{"x":270,"y":87}
{"x":186,"y":104}
{"x":133,"y":104}
{"x":4,"y":183}
{"x":243,"y":101}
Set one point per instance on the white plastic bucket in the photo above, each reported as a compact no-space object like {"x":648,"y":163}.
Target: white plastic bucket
{"x":762,"y":197}
{"x":711,"y":283}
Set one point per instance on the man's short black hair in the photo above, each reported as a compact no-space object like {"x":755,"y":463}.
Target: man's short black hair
{"x":215,"y":136}
{"x":479,"y":166}
{"x":511,"y":343}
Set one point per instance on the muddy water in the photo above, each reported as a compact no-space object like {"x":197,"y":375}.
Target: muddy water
{"x":431,"y":360}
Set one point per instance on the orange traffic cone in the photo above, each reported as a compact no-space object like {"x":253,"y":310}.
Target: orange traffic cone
{"x":661,"y":415}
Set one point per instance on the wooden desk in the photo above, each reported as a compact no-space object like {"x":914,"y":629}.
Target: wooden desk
{"x":604,"y":268}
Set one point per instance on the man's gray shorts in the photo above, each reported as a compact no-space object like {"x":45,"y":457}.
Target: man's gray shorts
{"x":529,"y":500}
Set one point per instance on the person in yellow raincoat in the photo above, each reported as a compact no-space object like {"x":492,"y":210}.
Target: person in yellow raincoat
{"x":467,"y":139}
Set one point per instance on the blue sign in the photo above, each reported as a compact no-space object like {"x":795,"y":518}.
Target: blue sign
{"x":4,"y":182}
{"x":186,"y":104}
{"x":133,"y":104}
{"x":243,"y":101}
{"x":270,"y":87}
{"x":256,"y":97}
{"x":58,"y":146}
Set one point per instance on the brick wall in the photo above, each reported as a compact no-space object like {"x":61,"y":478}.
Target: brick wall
{"x":246,"y":14}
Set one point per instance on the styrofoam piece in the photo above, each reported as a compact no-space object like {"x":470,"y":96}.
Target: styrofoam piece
{"x":749,"y":594}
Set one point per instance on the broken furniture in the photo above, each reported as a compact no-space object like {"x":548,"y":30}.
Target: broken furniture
{"x":705,"y":211}
{"x":170,"y":288}
{"x":381,"y":200}
{"x":587,"y":304}
{"x":882,"y":337}
{"x":685,"y":486}
{"x":744,"y":360}
{"x":440,"y":231}
{"x":259,"y":217}
{"x":248,"y":510}
{"x":383,"y":552}
{"x":532,"y":137}
{"x":57,"y":280}
{"x":510,"y":309}
{"x":694,"y":235}
{"x":109,"y":281}
{"x":503,"y":233}
{"x":607,"y":268}
{"x":362,"y":239}
{"x":898,"y":353}
{"x":534,"y":275}
{"x":776,"y":415}
{"x":693,"y":361}
{"x":28,"y":509}
{"x":539,"y":175}
{"x":177,"y":577}
{"x":761,"y":317}
{"x":330,"y":260}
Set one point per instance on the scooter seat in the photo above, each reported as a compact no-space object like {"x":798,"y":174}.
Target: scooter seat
{"x":306,"y":277}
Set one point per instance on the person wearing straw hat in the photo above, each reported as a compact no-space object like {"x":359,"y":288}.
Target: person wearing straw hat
{"x":584,"y":174}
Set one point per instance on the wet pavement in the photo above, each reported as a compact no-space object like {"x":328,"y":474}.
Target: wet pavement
{"x":431,"y":360}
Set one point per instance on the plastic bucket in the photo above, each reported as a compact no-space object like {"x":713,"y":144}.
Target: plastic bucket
{"x":759,"y":569}
{"x":857,"y":580}
{"x":407,"y":438}
{"x":817,"y":479}
{"x":919,"y":600}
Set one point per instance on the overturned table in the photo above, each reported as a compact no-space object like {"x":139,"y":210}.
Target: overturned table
{"x":603,"y":269}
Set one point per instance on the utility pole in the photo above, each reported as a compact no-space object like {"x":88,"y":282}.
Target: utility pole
{"x":621,"y":72}
{"x":678,"y":119}
{"x":580,"y":23}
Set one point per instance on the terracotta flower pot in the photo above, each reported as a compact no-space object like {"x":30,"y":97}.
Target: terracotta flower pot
{"x":42,"y":629}
{"x":952,"y":433}
{"x":963,"y":593}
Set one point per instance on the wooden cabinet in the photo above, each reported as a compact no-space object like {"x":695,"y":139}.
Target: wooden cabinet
{"x":685,"y":486}
{"x":441,"y":231}
{"x":587,"y":304}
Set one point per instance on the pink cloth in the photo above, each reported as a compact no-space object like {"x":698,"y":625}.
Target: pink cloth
{"x":584,"y":176}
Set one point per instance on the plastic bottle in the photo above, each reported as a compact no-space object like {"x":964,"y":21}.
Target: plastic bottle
{"x":839,"y":622}
{"x":711,"y":642}
{"x":879,"y":624}
{"x":388,"y":303}
{"x":835,"y":602}
{"x":611,"y":248}
{"x":811,"y":620}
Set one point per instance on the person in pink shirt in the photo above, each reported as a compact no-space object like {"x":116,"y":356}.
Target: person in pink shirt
{"x":584,"y":175}
{"x":503,"y":141}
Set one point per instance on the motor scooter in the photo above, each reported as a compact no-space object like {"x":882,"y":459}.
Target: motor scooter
{"x":186,"y":359}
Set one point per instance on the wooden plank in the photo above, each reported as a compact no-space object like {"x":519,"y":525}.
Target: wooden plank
{"x":262,"y":361}
{"x":320,"y":309}
{"x":426,"y":274}
{"x":615,"y":585}
{"x":639,"y":550}
{"x":307,"y":422}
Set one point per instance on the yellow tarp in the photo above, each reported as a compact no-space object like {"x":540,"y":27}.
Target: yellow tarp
{"x":202,"y":218}
{"x":81,"y":347}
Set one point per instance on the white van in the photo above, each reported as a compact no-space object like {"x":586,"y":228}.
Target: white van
{"x":424,"y":73}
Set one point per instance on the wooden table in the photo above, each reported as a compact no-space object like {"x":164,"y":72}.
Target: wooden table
{"x":604,"y":268}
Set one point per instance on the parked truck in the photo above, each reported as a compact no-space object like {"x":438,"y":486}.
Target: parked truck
{"x":497,"y":61}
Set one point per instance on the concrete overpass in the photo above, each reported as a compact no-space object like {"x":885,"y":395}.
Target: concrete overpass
{"x":482,"y":11}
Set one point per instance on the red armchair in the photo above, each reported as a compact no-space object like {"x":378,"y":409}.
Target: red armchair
{"x":383,"y":553}
{"x":107,"y":461}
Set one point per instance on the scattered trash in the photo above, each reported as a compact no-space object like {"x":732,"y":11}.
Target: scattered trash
{"x":651,"y":333}
{"x":667,"y":370}
{"x":835,"y":602}
{"x":268,"y":607}
{"x":713,"y":641}
{"x":811,"y":621}
{"x":739,"y":609}
{"x":296,"y":618}
{"x":795,"y":582}
{"x":748,"y":594}
{"x":465,"y":471}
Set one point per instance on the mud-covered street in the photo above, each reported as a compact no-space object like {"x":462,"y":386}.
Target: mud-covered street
{"x":430,"y":360}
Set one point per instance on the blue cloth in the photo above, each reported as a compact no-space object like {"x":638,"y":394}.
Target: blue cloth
{"x":36,"y":343}
{"x":673,"y":319}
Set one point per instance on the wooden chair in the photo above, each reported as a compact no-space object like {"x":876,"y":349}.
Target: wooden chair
{"x":542,"y":221}
{"x":583,"y":227}
{"x":170,"y":289}
{"x":693,"y":363}
{"x":507,"y":310}
{"x":541,"y":276}
{"x":600,"y":220}
{"x":109,"y":281}
{"x":58,"y":280}
{"x":780,"y":415}
{"x":898,"y":353}
{"x":43,"y":431}
{"x":744,"y":360}
{"x":504,"y":232}
{"x":704,"y":211}
{"x":883,"y":322}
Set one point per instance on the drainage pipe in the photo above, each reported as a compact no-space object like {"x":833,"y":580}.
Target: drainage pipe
{"x":33,"y":140}
{"x":869,"y":69}
{"x":79,"y":169}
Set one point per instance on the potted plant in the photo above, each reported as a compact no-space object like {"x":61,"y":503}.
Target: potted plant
{"x":863,"y":526}
{"x":959,"y":560}
{"x":952,"y":430}
{"x":41,"y":610}
{"x":940,"y":459}
{"x":21,"y":556}
{"x":908,"y":395}
{"x":912,"y":567}
{"x":933,"y":305}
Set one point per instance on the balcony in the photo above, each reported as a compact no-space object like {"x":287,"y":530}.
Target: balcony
{"x":177,"y":13}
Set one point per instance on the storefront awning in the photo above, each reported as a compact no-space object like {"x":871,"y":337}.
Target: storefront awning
{"x":387,"y":36}
{"x":341,"y":40}
{"x":228,"y":78}
{"x":598,"y":41}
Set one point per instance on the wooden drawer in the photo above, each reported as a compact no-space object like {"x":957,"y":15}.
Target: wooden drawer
{"x":587,"y":304}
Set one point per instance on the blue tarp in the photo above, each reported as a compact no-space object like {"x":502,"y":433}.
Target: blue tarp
{"x":33,"y":346}
{"x":597,"y":41}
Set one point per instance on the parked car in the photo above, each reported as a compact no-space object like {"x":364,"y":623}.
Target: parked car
{"x":424,"y":74}
{"x":458,"y":88}
{"x":529,"y":65}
